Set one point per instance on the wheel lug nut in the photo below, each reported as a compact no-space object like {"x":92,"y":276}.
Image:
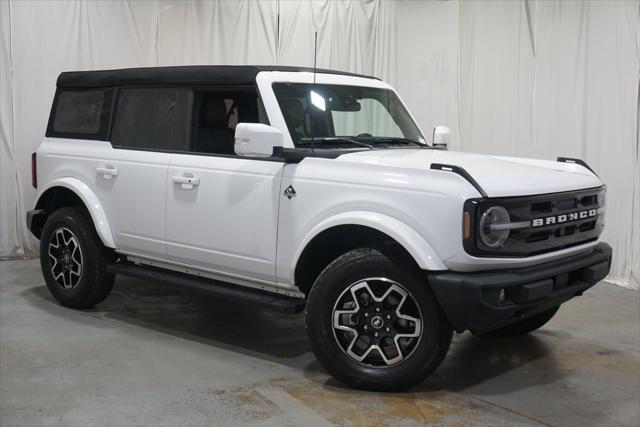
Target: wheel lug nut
{"x":387,"y":329}
{"x":375,"y":335}
{"x":366,"y":327}
{"x":388,"y":317}
{"x":378,"y":309}
{"x":366,"y":315}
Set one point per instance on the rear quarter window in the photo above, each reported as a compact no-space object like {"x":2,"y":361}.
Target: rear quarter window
{"x":79,"y":113}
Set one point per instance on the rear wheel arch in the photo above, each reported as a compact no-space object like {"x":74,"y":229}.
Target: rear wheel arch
{"x":70,"y":192}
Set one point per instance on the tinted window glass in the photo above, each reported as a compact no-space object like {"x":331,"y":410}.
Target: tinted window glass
{"x":145,"y":119}
{"x":216,"y":115}
{"x":82,"y":112}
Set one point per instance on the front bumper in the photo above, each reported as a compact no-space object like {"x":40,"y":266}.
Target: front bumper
{"x":473,"y":300}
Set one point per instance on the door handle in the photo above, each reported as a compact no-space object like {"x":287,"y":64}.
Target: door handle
{"x":186,"y":182}
{"x":107,"y":171}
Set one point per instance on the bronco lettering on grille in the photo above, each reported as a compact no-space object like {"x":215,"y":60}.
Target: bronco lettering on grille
{"x":560,"y":219}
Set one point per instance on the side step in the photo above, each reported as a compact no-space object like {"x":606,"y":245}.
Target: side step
{"x":235,"y":293}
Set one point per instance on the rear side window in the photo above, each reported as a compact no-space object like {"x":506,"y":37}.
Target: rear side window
{"x":148,"y":119}
{"x":81,"y":113}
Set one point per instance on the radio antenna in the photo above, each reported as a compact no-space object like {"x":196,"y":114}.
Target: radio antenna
{"x":313,"y":117}
{"x":315,"y":56}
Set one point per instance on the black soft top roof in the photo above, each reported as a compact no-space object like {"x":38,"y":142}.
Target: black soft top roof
{"x":181,"y":75}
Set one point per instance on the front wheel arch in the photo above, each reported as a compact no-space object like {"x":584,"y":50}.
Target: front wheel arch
{"x":331,"y":243}
{"x":340,"y":233}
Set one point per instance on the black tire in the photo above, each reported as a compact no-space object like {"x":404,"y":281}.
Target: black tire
{"x":348,"y":272}
{"x":83,"y":286}
{"x":527,"y":325}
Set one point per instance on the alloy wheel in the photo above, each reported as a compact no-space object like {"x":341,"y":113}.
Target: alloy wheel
{"x":66,"y":258}
{"x":377,"y":322}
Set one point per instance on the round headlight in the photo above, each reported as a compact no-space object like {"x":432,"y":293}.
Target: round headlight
{"x":493,"y":228}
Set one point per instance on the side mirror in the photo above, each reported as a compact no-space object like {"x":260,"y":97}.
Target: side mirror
{"x":256,"y":139}
{"x":441,"y":137}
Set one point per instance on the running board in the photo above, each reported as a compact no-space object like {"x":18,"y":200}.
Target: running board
{"x":235,"y":293}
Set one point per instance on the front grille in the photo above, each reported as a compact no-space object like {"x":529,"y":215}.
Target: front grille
{"x":551,"y":222}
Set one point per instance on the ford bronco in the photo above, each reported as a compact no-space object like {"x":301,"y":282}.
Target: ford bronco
{"x":309,"y":190}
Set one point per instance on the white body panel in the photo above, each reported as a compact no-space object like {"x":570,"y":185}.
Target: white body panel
{"x":414,"y":205}
{"x":498,"y":176}
{"x":92,"y":203}
{"x":132,"y":196}
{"x":415,"y":208}
{"x":228,"y":222}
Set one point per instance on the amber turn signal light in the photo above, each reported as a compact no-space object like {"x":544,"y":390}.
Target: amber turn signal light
{"x":466,"y":225}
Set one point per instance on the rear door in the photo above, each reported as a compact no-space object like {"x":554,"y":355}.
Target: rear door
{"x":117,"y":141}
{"x":131,"y":180}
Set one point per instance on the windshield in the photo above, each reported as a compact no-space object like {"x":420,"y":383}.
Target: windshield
{"x":330,"y":115}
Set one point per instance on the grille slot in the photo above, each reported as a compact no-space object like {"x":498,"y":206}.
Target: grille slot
{"x":566,"y":231}
{"x":586,"y":226}
{"x":541,"y":207}
{"x":564,"y":204}
{"x":538,"y":236}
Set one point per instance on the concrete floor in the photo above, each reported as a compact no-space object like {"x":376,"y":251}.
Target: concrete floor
{"x":153,"y":354}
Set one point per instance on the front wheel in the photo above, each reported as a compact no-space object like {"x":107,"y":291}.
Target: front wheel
{"x":374,"y":324}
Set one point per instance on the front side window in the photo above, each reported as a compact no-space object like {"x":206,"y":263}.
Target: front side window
{"x":215,"y":115}
{"x":338,"y":114}
{"x":146,"y":119}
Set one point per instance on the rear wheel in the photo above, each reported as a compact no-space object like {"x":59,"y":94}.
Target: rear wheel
{"x":73,"y":259}
{"x":374,"y":324}
{"x":527,"y":325}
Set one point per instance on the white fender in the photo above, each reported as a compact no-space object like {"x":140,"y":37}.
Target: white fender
{"x":92,"y":203}
{"x":421,"y":251}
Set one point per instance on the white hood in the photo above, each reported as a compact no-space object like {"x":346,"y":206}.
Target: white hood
{"x":498,"y":176}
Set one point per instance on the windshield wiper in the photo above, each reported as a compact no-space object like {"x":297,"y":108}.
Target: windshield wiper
{"x":337,"y":140}
{"x":393,"y":140}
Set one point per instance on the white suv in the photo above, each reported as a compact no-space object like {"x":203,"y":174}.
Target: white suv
{"x":296,"y":189}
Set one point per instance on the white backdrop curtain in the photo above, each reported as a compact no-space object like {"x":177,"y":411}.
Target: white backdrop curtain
{"x":535,"y":78}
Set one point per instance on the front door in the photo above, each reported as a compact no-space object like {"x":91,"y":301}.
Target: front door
{"x":222,"y":214}
{"x":222,"y":210}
